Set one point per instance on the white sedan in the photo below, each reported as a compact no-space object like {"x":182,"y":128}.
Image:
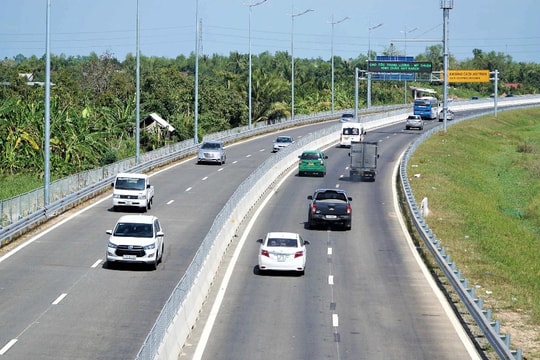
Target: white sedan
{"x":136,"y":239}
{"x":281,"y":142}
{"x":449,"y":115}
{"x":282,"y":251}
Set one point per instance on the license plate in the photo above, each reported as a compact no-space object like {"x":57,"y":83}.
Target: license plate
{"x":331,"y":216}
{"x":310,"y":164}
{"x":129,"y":257}
{"x":282,"y":258}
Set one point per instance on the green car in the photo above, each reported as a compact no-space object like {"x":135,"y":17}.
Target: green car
{"x":312,"y":162}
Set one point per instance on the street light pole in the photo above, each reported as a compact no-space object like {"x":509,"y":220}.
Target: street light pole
{"x":47,"y":135}
{"x":249,"y":31}
{"x":292,"y":56}
{"x":138,"y":91}
{"x":405,"y":32}
{"x":332,"y":54}
{"x":369,"y":38}
{"x":196,"y":100}
{"x":369,"y":58}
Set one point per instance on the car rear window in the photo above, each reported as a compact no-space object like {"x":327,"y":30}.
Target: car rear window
{"x":309,"y":156}
{"x":280,"y":242}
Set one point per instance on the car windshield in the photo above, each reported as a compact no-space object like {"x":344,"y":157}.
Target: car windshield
{"x":210,"y":146}
{"x":130,"y":183}
{"x":310,"y":156}
{"x":283,"y":139}
{"x":280,"y":242}
{"x":133,"y":230}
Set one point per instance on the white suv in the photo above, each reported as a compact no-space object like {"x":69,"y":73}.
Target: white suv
{"x":136,"y":239}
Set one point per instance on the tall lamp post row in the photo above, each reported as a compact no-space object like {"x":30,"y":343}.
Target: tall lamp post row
{"x":369,"y":58}
{"x":332,"y":53}
{"x":249,"y":31}
{"x":293,"y":15}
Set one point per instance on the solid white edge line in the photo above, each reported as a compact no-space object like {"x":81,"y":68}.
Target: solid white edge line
{"x":469,"y":346}
{"x":170,"y":202}
{"x":94,"y":265}
{"x":58,"y":299}
{"x":38,"y":236}
{"x":7,"y":346}
{"x":201,"y":345}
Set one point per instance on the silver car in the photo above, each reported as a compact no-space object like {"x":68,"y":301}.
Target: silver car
{"x":449,"y":115}
{"x":414,"y":122}
{"x":281,"y":142}
{"x":212,"y":152}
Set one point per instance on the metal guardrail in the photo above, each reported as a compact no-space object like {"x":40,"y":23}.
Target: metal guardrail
{"x":491,"y":329}
{"x":17,"y":223}
{"x":24,"y":212}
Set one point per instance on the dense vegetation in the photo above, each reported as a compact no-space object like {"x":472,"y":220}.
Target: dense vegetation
{"x":482,"y":180}
{"x":93,"y":102}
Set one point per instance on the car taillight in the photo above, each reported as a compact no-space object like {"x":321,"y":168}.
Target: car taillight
{"x":265,"y":253}
{"x":313,"y":208}
{"x":348,"y":208}
{"x":298,"y":254}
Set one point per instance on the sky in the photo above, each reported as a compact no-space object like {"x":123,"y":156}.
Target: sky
{"x":167,"y":28}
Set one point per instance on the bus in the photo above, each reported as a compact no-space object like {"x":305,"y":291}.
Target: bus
{"x":350,"y":133}
{"x":427,"y":107}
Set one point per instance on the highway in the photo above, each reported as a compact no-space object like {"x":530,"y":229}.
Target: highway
{"x":60,"y":301}
{"x":363,"y":295}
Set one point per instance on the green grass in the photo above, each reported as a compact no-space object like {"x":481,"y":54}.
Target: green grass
{"x":15,"y":185}
{"x":482,"y":181}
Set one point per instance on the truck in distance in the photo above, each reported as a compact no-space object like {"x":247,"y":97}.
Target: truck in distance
{"x":132,"y":190}
{"x":363,"y":165}
{"x":329,"y":207}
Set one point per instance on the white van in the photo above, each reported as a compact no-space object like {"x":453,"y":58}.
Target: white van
{"x":350,"y":133}
{"x":132,"y":190}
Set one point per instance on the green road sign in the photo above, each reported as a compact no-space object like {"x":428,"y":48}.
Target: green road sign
{"x":399,"y":66}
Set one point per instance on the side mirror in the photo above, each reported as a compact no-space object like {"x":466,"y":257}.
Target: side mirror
{"x":108,"y":232}
{"x":148,"y":186}
{"x":112,"y":184}
{"x":350,"y":198}
{"x":260,"y":241}
{"x":306,"y":242}
{"x":326,"y":156}
{"x":310,"y":197}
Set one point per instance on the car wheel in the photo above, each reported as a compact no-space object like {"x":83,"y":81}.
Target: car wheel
{"x":161,"y":253}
